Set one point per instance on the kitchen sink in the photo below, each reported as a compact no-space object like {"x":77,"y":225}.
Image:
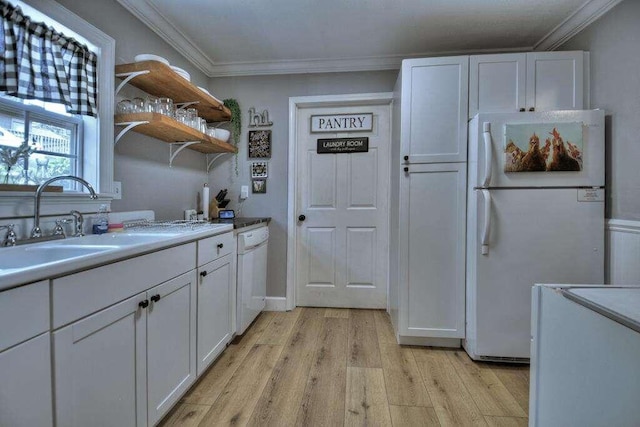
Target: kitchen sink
{"x":24,"y":257}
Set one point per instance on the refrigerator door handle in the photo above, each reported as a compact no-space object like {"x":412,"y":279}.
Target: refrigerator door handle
{"x":486,"y":227}
{"x":488,"y":147}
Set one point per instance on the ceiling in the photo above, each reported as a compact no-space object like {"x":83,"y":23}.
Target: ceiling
{"x":249,"y":37}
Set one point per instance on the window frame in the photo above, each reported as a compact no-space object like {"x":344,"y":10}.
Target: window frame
{"x":98,"y":158}
{"x":35,"y":113}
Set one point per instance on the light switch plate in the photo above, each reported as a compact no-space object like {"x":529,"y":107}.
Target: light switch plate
{"x":117,"y":190}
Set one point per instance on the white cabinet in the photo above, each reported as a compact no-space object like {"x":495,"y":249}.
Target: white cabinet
{"x":216,"y":300}
{"x":100,"y":368}
{"x":426,"y":295}
{"x":129,"y":363}
{"x":25,"y":357}
{"x":171,"y":343}
{"x":432,"y":251}
{"x":537,"y":81}
{"x":434,"y":102}
{"x":25,"y":384}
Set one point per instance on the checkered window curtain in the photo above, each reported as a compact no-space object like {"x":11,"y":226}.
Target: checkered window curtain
{"x":37,"y":62}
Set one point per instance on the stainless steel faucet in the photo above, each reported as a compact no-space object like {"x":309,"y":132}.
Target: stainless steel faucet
{"x":36,"y":231}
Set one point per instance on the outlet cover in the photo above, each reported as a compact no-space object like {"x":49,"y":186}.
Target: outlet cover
{"x":117,"y":190}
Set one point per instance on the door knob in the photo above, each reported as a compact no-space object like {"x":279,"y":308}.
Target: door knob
{"x":301,"y":218}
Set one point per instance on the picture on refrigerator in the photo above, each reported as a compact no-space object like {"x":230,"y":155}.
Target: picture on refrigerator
{"x":562,"y":149}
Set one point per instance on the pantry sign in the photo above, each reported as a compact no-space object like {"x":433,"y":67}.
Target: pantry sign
{"x":343,"y":145}
{"x":362,"y":122}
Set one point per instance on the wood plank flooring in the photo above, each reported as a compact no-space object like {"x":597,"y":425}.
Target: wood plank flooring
{"x":342,"y":367}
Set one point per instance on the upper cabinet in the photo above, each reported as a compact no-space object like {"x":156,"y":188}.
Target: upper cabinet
{"x":538,"y":81}
{"x":434,"y":104}
{"x":160,"y":80}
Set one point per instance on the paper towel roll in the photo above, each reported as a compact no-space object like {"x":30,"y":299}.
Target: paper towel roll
{"x":205,"y":202}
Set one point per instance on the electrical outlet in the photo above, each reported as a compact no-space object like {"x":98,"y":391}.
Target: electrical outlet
{"x":244,"y":192}
{"x":117,"y":190}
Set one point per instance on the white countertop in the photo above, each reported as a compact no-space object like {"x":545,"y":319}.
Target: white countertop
{"x":621,"y":304}
{"x":12,"y":277}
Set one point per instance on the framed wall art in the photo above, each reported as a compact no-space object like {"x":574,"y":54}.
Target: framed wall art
{"x":259,"y":170}
{"x":259,"y":144}
{"x":259,"y":186}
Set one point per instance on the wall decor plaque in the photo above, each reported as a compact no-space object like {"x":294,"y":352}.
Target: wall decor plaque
{"x":259,"y":144}
{"x":343,"y":145}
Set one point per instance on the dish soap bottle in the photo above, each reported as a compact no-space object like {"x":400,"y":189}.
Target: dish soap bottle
{"x":101,"y":222}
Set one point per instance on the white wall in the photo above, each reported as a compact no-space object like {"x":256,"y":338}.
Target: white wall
{"x":142,"y":163}
{"x":614,"y":42}
{"x":272,"y":93}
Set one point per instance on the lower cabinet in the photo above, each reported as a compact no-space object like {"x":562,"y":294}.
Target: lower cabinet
{"x":432,"y":251}
{"x":25,"y":384}
{"x":128,"y":364}
{"x":216,"y":300}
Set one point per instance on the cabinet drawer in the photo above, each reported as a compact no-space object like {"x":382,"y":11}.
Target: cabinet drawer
{"x":215,"y":247}
{"x":83,"y":293}
{"x":24,"y":313}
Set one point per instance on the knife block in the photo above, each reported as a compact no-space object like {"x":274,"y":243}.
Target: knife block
{"x":214,"y":210}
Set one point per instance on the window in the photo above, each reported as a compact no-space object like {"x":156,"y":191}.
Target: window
{"x":55,"y":139}
{"x":63,"y":143}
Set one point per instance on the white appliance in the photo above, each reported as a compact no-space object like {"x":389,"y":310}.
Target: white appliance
{"x":584,"y":356}
{"x":252,"y":275}
{"x":529,"y":227}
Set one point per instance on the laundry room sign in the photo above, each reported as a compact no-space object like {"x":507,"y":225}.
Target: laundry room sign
{"x":362,"y":122}
{"x":343,"y":145}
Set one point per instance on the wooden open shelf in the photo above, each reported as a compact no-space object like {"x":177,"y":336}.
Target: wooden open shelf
{"x":170,"y":130}
{"x":162,"y":81}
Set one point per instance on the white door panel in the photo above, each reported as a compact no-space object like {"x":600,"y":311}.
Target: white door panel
{"x":555,"y":81}
{"x":497,"y":83}
{"x":342,"y":244}
{"x":592,"y":173}
{"x":537,"y":236}
{"x":434,"y":258}
{"x":435,"y":94}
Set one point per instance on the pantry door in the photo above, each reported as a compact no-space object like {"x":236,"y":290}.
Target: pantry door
{"x":342,"y":214}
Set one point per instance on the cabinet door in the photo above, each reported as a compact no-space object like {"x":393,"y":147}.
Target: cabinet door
{"x":216,"y":297}
{"x":432,"y":251}
{"x":435,"y":96}
{"x":25,"y":384}
{"x":555,"y":81}
{"x":171,"y":343}
{"x":100,"y":372}
{"x":497,"y":83}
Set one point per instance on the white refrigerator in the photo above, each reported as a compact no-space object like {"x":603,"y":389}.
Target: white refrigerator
{"x":535,"y":214}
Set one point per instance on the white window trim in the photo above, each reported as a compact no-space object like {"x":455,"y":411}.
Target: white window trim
{"x":17,"y":204}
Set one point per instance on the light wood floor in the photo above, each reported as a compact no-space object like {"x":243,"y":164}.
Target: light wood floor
{"x":334,"y":367}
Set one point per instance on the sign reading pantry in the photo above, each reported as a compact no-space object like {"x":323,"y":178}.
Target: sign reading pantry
{"x":362,"y":122}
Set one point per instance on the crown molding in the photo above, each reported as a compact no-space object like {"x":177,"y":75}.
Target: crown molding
{"x":159,"y":24}
{"x":339,"y":65}
{"x":576,"y":22}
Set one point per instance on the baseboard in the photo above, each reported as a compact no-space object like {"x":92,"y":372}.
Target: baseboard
{"x":430,"y":342}
{"x":275,"y":304}
{"x":623,"y":252}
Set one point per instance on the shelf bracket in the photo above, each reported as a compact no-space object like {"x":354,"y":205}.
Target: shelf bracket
{"x":128,"y":127}
{"x":128,"y":77}
{"x":210,"y":162}
{"x":178,"y":147}
{"x":183,"y":105}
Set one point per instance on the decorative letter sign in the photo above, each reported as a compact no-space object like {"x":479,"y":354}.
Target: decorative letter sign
{"x":362,"y":122}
